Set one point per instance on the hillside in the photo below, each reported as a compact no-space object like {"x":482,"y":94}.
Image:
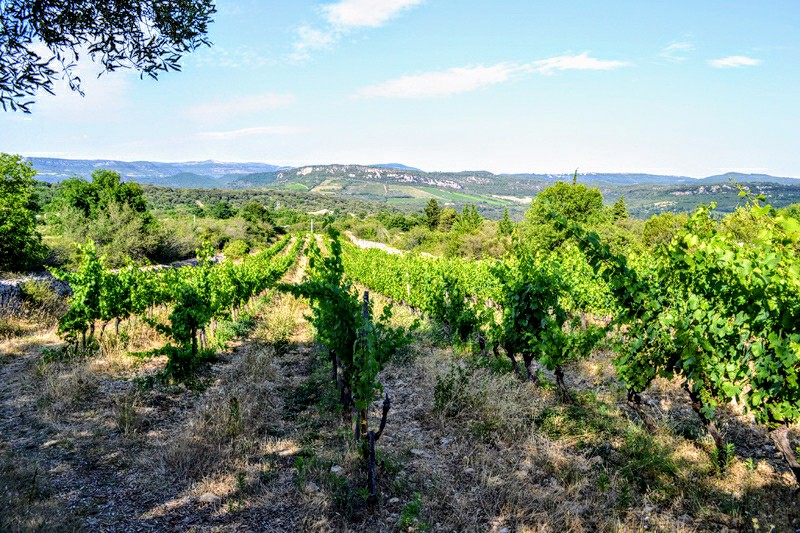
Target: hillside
{"x":408,"y":188}
{"x":645,"y":194}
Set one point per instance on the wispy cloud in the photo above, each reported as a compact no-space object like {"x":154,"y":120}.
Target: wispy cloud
{"x":444,"y":83}
{"x":734,"y":62}
{"x":465,"y":79}
{"x":577,"y":62}
{"x":241,"y":106}
{"x":676,"y":52}
{"x":240,"y":57}
{"x":311,"y":40}
{"x":360,"y":13}
{"x":107,"y":95}
{"x":343,"y":17}
{"x":250,"y":132}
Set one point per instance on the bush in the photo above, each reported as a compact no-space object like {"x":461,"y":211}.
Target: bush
{"x":236,"y":249}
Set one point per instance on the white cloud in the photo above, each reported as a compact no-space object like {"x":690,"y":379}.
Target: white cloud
{"x":343,"y":17}
{"x":676,"y":52}
{"x":240,"y":106}
{"x":577,"y":62}
{"x":465,"y":79}
{"x":359,"y":13}
{"x":734,"y":62}
{"x":311,"y":40}
{"x":444,"y":83}
{"x":250,"y":132}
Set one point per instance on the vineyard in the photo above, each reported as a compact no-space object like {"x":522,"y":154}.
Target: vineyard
{"x":195,"y":296}
{"x":721,"y":317}
{"x":581,"y":389}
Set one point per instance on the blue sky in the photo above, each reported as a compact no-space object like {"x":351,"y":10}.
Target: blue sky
{"x":680,"y":87}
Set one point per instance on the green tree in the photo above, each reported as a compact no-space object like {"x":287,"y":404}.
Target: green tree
{"x":260,"y":224}
{"x":433,"y":213}
{"x":20,"y":243}
{"x":448,"y":217}
{"x":111,"y":213}
{"x":221,"y":210}
{"x":41,"y":39}
{"x":255,"y":213}
{"x":791,"y":211}
{"x":469,"y":220}
{"x":577,"y":203}
{"x":505,"y":226}
{"x":660,"y":229}
{"x":619,"y":211}
{"x":92,"y":198}
{"x":741,"y":225}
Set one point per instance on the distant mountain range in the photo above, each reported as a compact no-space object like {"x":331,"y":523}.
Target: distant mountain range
{"x":408,"y":187}
{"x":54,"y":170}
{"x":212,"y":173}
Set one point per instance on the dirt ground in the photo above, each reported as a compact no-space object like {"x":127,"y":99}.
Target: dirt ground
{"x":257,"y":442}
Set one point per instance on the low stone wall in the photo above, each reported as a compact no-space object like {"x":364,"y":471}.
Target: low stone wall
{"x":11,"y":290}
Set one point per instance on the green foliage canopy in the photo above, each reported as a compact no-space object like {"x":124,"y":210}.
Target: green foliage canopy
{"x":41,"y":40}
{"x":111,"y":213}
{"x":505,"y":226}
{"x":20,"y":243}
{"x":432,"y":214}
{"x":469,"y":221}
{"x":577,"y":203}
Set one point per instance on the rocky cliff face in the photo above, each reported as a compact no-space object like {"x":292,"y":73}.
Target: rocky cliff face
{"x":359,"y":172}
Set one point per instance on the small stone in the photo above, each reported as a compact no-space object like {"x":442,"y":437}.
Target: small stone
{"x":504,"y":530}
{"x":335,"y":469}
{"x":415,"y":451}
{"x":311,"y":487}
{"x":469,"y":470}
{"x":445,"y":441}
{"x":209,"y":497}
{"x":394,"y":500}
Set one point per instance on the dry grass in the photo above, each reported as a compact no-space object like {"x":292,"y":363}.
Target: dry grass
{"x":226,"y":425}
{"x":62,"y":385}
{"x":467,"y":446}
{"x":35,"y":341}
{"x":280,"y":321}
{"x":34,"y":314}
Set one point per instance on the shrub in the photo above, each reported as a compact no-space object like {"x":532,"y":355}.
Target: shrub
{"x":236,"y":249}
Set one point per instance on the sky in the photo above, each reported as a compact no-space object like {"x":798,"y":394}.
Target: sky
{"x":680,"y":87}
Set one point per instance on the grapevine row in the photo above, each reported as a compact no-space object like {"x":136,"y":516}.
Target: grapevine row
{"x":522,"y":304}
{"x":720,"y":314}
{"x":358,"y":344}
{"x":195,"y":294}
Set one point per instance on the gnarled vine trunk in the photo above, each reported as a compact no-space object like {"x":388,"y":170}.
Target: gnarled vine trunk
{"x":781,"y":438}
{"x":711,"y":426}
